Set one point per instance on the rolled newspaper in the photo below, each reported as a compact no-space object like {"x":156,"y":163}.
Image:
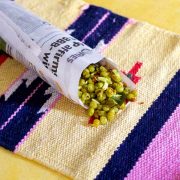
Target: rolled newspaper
{"x":57,"y":57}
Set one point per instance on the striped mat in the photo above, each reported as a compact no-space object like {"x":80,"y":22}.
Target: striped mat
{"x":143,"y":142}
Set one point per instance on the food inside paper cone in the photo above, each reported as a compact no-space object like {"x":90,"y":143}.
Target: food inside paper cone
{"x":104,"y":92}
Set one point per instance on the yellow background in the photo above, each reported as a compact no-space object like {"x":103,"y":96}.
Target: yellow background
{"x":163,"y":13}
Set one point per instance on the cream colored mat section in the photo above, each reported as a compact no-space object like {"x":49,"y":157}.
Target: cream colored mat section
{"x":60,"y":13}
{"x":9,"y":74}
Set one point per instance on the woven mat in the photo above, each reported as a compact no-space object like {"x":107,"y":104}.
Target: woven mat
{"x":142,"y":143}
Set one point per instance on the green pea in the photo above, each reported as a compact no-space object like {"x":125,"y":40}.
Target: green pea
{"x":115,"y":109}
{"x":90,"y":87}
{"x":101,"y":96}
{"x":119,"y":88}
{"x":110,"y":92}
{"x":116,"y":77}
{"x":96,"y":123}
{"x":90,"y":81}
{"x":131,"y":97}
{"x":85,"y":71}
{"x":134,"y":92}
{"x":87,"y":76}
{"x":86,"y":96}
{"x":83,"y":90}
{"x":100,"y":85}
{"x":122,"y":106}
{"x":115,"y":85}
{"x":104,"y":74}
{"x":99,"y":106}
{"x":79,"y":94}
{"x":94,"y":103}
{"x":106,"y":108}
{"x":111,"y":115}
{"x":126,"y":90}
{"x":82,"y":82}
{"x":91,"y":68}
{"x":102,"y":68}
{"x":101,"y":113}
{"x":103,"y":120}
{"x":90,"y":111}
{"x":97,"y":68}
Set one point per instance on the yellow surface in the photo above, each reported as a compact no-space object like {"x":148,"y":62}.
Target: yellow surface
{"x":163,"y":13}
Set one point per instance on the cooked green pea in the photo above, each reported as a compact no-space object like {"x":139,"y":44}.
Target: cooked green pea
{"x":106,"y":108}
{"x":111,"y":115}
{"x":99,"y":106}
{"x":90,"y":81}
{"x":116,"y":77}
{"x":115,"y":109}
{"x":90,"y":111}
{"x":101,"y":96}
{"x":104,"y":74}
{"x":83,"y":90}
{"x":82,"y":82}
{"x":79,"y":93}
{"x":96,"y":123}
{"x":119,"y":89}
{"x":131,"y":97}
{"x":103,"y":120}
{"x":91,"y":68}
{"x":126,"y":90}
{"x":100,"y":85}
{"x":110,"y":92}
{"x":90,"y":87}
{"x":102,"y":68}
{"x":94,"y":103}
{"x":86,"y":71}
{"x":86,"y":96}
{"x":122,"y":106}
{"x":101,"y":113}
{"x":134,"y":92}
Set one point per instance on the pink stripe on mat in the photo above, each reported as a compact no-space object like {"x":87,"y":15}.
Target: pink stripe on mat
{"x":37,"y":123}
{"x":104,"y":17}
{"x":20,"y":107}
{"x":162,"y":158}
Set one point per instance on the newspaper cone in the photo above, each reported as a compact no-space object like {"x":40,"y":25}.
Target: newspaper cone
{"x":56,"y":56}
